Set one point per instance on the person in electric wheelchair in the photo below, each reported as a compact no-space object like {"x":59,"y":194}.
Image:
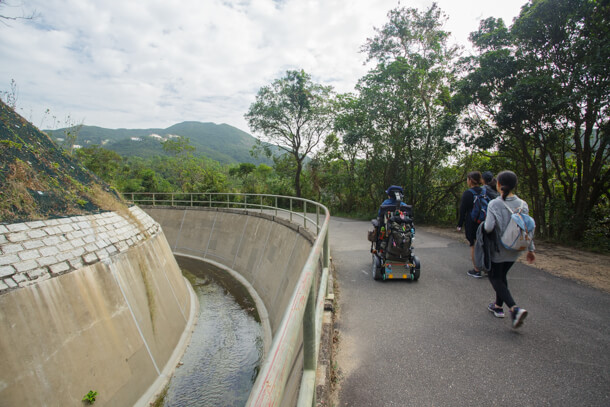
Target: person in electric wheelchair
{"x":392,"y":237}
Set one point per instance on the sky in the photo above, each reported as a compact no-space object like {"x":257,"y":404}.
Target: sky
{"x":154,"y":63}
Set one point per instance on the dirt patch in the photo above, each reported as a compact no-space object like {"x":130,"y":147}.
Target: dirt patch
{"x":584,"y":267}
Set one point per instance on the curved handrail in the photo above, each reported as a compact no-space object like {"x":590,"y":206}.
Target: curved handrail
{"x":303,"y":310}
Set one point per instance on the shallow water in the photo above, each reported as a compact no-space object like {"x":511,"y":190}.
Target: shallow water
{"x":222,"y":361}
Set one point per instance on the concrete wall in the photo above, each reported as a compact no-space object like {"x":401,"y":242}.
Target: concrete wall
{"x":268,"y":251}
{"x":113,"y":318}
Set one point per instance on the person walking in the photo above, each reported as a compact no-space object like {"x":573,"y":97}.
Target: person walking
{"x":499,"y":213}
{"x":490,"y":184}
{"x":474,"y":181}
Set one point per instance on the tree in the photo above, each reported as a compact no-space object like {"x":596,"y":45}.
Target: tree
{"x":408,"y":99}
{"x":294,"y":114}
{"x":178,"y":146}
{"x":540,"y":93}
{"x":102,"y":162}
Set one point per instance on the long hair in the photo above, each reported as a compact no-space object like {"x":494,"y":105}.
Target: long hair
{"x":508,"y":180}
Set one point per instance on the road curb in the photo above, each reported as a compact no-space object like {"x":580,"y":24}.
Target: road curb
{"x":325,"y":356}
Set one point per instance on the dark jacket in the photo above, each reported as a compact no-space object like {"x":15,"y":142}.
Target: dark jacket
{"x":485,"y":244}
{"x":466,"y":204}
{"x":491,"y":193}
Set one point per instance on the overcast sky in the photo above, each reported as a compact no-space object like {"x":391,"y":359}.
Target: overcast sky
{"x":155,"y":63}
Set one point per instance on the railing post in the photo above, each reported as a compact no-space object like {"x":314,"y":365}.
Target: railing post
{"x":153,"y":199}
{"x":191,"y":199}
{"x":317,"y":220}
{"x":228,"y":204}
{"x":309,"y":347}
{"x":291,"y":209}
{"x":261,"y":204}
{"x":305,"y":214}
{"x":172,"y":199}
{"x":276,"y":206}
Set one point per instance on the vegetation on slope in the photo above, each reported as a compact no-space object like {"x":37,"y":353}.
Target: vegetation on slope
{"x":38,"y":180}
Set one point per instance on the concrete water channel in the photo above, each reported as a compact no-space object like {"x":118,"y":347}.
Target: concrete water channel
{"x":226,"y":350}
{"x":98,"y":305}
{"x":278,"y":248}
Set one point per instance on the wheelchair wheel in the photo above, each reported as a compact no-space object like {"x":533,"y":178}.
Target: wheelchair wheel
{"x":415,"y":271}
{"x":376,"y":268}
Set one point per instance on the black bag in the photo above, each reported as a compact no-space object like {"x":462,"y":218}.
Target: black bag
{"x":399,"y":240}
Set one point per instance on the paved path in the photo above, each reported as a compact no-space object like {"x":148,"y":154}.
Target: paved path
{"x":433,"y":342}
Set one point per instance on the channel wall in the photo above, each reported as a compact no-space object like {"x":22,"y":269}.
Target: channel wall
{"x":92,"y":302}
{"x":266,"y":250}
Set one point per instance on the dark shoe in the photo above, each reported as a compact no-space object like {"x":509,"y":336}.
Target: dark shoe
{"x":497,"y":311}
{"x":518,"y":315}
{"x":474,"y":273}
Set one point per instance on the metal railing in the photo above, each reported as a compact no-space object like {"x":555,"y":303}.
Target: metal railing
{"x":303,"y":311}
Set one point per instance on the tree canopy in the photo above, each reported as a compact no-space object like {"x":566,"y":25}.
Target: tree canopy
{"x":294,"y":114}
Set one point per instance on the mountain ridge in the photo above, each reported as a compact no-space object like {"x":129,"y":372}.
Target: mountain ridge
{"x":220,"y":142}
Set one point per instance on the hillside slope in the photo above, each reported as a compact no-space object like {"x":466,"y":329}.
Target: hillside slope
{"x":220,"y":142}
{"x":38,"y":180}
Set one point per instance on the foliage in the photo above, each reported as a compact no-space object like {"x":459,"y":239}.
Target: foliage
{"x":90,"y":397}
{"x":10,"y":96}
{"x":539,"y":92}
{"x":294,"y":114}
{"x":400,"y":127}
{"x":104,"y":163}
{"x":178,"y":146}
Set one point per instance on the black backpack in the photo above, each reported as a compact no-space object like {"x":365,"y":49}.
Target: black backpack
{"x":479,"y":206}
{"x":399,"y":240}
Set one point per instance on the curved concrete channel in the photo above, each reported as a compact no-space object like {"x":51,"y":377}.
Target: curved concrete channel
{"x":99,"y":303}
{"x":265,"y":252}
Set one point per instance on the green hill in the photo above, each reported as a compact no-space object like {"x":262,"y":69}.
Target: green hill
{"x":220,"y":142}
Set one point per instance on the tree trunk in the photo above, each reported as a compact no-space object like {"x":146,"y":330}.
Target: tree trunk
{"x":297,"y":178}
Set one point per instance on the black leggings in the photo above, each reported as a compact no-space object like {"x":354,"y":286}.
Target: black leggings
{"x":497,"y":278}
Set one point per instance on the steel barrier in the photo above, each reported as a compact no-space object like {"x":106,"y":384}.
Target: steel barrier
{"x":305,"y":308}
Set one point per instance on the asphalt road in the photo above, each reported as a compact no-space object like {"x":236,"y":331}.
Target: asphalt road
{"x":434,"y":343}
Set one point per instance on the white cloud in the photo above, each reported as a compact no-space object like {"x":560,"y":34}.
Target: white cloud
{"x":154,"y":63}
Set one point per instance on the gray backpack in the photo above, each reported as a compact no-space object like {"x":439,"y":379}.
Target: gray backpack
{"x":520,"y":230}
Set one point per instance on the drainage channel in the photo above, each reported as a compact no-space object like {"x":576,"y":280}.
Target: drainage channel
{"x":221,"y":363}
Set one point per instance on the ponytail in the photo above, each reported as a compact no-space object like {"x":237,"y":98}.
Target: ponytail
{"x":508,"y":181}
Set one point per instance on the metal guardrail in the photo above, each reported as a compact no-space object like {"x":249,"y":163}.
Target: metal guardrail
{"x":304,"y":311}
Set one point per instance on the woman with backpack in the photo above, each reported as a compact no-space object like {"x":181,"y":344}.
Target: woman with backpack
{"x":499,"y":212}
{"x":474,"y":181}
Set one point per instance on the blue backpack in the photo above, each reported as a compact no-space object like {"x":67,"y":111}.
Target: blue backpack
{"x":479,"y":206}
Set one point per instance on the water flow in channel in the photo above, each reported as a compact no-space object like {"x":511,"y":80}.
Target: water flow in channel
{"x":222,"y":361}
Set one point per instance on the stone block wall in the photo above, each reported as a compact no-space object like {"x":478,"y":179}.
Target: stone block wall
{"x":34,"y":251}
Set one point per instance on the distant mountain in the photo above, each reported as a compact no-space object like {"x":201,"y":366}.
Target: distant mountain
{"x":221,"y":142}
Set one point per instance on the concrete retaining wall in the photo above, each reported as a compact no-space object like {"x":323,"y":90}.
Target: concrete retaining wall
{"x":268,"y":251}
{"x":109,"y":314}
{"x":34,"y":251}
